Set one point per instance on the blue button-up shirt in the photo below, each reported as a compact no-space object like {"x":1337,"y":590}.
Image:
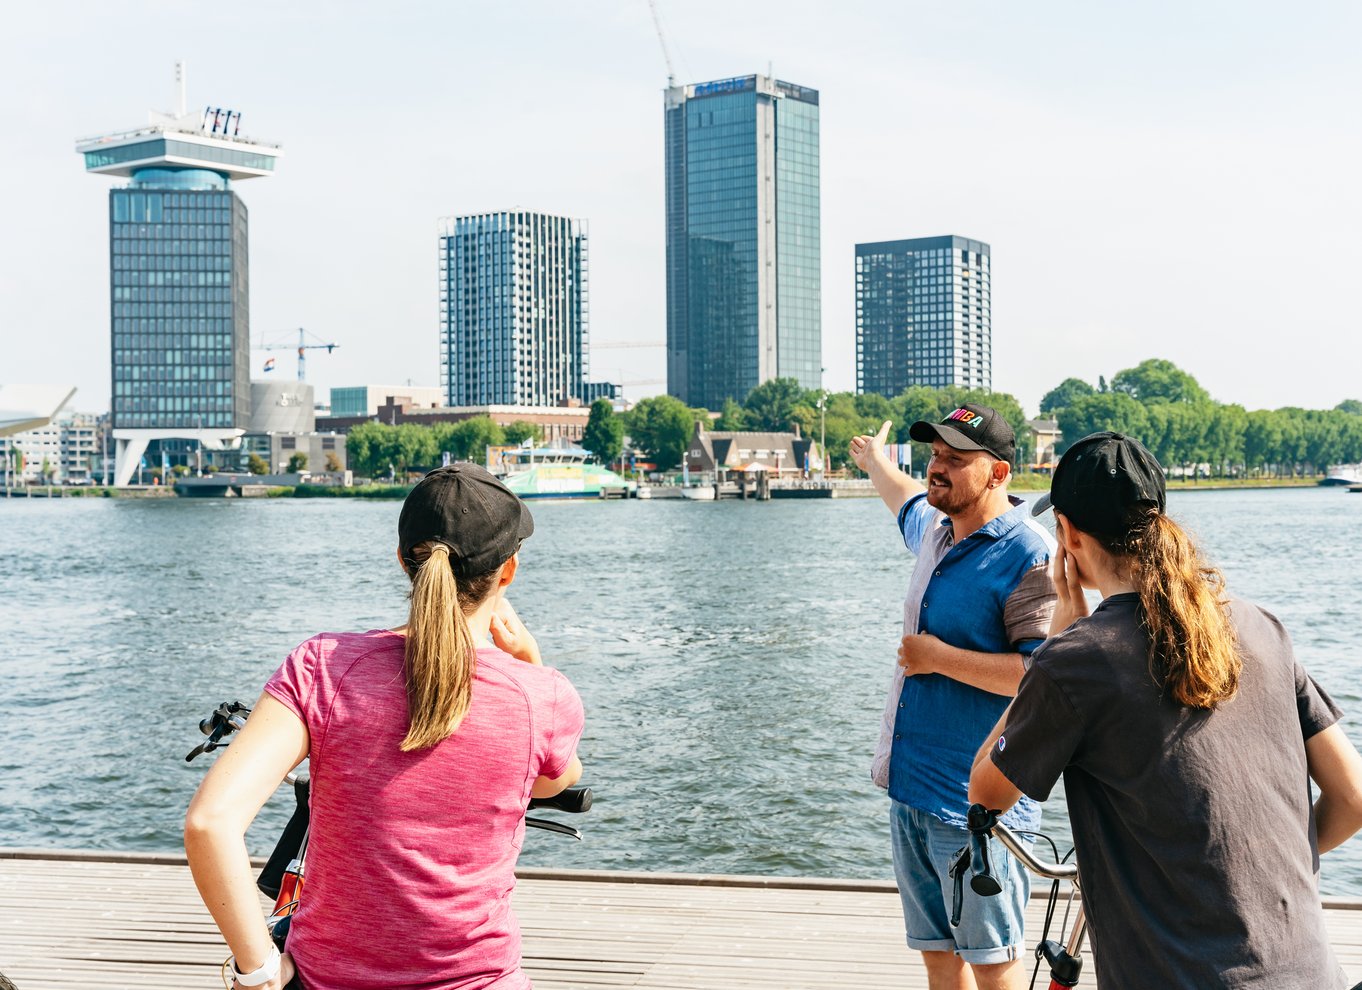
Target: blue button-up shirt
{"x":991,"y":593}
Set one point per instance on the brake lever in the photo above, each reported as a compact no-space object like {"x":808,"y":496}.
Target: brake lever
{"x":549,"y":826}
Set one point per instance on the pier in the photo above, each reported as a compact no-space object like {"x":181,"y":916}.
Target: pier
{"x":69,"y":921}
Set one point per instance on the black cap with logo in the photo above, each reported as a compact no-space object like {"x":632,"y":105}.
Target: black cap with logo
{"x":971,"y":427}
{"x":1100,"y":479}
{"x":464,"y":507}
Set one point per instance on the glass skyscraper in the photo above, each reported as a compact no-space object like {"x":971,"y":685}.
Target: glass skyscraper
{"x":179,"y":289}
{"x":744,"y":284}
{"x":923,"y":315}
{"x":513,"y":309}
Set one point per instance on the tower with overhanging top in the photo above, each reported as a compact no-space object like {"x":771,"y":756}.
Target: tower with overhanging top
{"x":178,"y":279}
{"x":744,"y":289}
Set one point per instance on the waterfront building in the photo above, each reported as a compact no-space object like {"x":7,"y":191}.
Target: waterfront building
{"x":1045,"y":437}
{"x":513,"y":308}
{"x":744,"y":288}
{"x":179,"y":286}
{"x":923,"y":315}
{"x":82,"y":442}
{"x":364,"y":400}
{"x":777,"y":454}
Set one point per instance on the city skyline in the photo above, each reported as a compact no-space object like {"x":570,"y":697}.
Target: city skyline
{"x":1074,"y":141}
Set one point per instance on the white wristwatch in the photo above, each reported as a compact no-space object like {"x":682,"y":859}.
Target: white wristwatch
{"x":268,"y":970}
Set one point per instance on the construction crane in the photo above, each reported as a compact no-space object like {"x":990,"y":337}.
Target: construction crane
{"x":662,"y":40}
{"x":303,"y":347}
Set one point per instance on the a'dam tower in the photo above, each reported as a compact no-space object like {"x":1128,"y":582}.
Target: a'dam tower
{"x":179,"y":284}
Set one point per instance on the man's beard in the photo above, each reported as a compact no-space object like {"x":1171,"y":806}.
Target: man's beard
{"x":950,"y":499}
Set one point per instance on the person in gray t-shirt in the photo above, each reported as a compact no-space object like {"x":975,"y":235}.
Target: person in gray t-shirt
{"x":1186,"y":733}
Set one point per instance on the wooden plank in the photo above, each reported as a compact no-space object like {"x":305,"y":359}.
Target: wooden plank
{"x":79,"y":920}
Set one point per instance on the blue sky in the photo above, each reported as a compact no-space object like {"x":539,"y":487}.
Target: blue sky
{"x":1156,"y":180}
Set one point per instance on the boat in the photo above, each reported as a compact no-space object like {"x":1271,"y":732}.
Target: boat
{"x":1341,"y":477}
{"x":555,"y":471}
{"x":698,"y":493}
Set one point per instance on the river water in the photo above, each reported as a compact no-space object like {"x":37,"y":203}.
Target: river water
{"x":732,"y":656}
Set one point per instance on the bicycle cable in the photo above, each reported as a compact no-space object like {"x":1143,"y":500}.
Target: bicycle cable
{"x":1050,"y":904}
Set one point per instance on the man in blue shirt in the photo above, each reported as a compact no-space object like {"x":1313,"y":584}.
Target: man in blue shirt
{"x":979,"y":602}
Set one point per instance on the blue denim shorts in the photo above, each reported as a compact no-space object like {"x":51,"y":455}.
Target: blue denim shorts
{"x":990,"y":927}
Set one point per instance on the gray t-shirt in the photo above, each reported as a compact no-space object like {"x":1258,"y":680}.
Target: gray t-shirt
{"x":1194,"y":830}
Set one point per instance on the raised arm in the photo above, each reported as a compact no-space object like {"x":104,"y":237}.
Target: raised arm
{"x":893,"y":485}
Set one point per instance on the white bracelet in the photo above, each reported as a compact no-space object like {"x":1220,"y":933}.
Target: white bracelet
{"x":268,"y":970}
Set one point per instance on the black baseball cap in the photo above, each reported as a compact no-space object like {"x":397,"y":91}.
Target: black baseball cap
{"x":464,"y":507}
{"x":971,"y":427}
{"x":1100,"y":479}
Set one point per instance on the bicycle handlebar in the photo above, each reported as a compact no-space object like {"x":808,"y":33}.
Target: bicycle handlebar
{"x":574,"y":800}
{"x":983,"y":823}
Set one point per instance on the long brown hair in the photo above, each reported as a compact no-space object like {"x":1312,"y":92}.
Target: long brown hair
{"x":440,"y":656}
{"x":1193,"y":650}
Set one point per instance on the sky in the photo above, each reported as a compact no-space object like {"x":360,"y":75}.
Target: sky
{"x":1172,"y":180}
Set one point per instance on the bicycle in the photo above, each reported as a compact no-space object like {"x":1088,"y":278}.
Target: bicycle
{"x":1065,"y":959}
{"x":284,"y":871}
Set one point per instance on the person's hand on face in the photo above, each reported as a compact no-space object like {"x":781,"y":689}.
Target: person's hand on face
{"x":510,"y":634}
{"x":1070,"y":604}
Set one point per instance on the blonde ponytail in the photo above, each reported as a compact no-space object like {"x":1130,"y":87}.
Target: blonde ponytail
{"x":1193,"y":650}
{"x":440,"y":656}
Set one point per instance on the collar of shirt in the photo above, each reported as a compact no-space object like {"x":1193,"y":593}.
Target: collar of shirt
{"x":995,"y":528}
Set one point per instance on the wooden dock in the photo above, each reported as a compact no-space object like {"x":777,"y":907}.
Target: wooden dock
{"x":72,"y":921}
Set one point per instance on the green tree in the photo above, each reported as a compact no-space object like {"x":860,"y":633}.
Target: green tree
{"x":733,"y":418}
{"x":770,"y":406}
{"x":365,"y":447}
{"x":1065,"y":393}
{"x":604,"y":433}
{"x":1115,"y":411}
{"x":520,"y":431}
{"x":662,"y":427}
{"x":180,"y":470}
{"x":1225,"y":436}
{"x":257,"y":464}
{"x":1352,"y":407}
{"x":1262,"y":439}
{"x":471,"y":437}
{"x":297,"y":463}
{"x":1157,"y":380}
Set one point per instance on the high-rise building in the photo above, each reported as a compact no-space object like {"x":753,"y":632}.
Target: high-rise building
{"x":179,"y":284}
{"x":513,"y":308}
{"x":744,"y":289}
{"x":922,"y":315}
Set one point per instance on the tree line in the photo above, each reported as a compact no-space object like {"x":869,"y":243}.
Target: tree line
{"x":375,"y":449}
{"x":1188,"y":431}
{"x":1157,"y":402}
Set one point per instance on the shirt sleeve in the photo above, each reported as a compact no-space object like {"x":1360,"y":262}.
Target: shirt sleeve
{"x":1028,"y":609}
{"x":1040,"y":738}
{"x":915,"y":518}
{"x":292,"y":684}
{"x":564,"y":727}
{"x":1316,"y":709}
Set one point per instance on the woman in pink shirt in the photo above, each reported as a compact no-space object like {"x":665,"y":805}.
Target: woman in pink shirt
{"x":425,"y":744}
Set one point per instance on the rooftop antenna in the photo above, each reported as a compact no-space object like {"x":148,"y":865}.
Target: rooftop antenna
{"x":181,"y":84}
{"x":662,"y":40}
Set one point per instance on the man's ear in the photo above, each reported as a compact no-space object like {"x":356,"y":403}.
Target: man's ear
{"x":1001,"y":470}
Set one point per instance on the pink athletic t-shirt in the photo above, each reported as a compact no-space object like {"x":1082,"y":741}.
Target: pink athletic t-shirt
{"x":411,"y":856}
